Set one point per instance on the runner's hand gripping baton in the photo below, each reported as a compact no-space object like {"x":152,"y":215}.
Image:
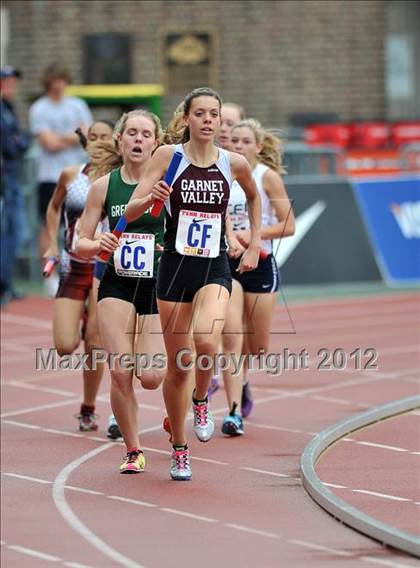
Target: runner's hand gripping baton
{"x":169,"y":178}
{"x":156,"y":208}
{"x":49,"y":266}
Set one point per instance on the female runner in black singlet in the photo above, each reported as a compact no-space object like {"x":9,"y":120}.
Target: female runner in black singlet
{"x":194,"y":280}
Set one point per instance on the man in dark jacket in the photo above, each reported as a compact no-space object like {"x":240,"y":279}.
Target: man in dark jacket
{"x":14,"y":143}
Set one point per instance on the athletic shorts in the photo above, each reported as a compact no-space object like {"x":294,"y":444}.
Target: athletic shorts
{"x":180,"y":277}
{"x":75,"y":280}
{"x":45,"y":191}
{"x":263,"y":280}
{"x":141,"y":292}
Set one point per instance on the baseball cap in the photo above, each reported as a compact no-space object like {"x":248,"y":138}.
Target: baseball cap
{"x":9,"y":71}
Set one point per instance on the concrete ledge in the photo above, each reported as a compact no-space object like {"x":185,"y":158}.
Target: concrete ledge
{"x":341,"y":510}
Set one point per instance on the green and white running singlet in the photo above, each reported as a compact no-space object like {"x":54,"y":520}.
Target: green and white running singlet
{"x":137,"y":255}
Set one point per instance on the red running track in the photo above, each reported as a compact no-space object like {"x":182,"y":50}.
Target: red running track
{"x":64,"y":502}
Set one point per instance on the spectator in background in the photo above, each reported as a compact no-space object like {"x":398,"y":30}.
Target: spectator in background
{"x":53,"y":120}
{"x":14,"y":143}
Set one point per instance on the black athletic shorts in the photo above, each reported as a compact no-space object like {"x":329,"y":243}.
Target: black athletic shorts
{"x":263,"y":280}
{"x":180,"y":277}
{"x":141,"y":292}
{"x":45,"y":191}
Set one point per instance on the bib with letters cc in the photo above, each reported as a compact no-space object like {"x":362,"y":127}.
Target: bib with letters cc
{"x":135,"y":255}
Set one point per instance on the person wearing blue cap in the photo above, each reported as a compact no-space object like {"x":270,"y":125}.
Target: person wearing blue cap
{"x":14,"y":143}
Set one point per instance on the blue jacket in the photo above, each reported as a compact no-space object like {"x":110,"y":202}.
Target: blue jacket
{"x":14,"y":140}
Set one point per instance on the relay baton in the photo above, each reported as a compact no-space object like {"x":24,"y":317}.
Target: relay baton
{"x":118,"y":231}
{"x":49,"y":266}
{"x":156,"y":208}
{"x":169,"y":178}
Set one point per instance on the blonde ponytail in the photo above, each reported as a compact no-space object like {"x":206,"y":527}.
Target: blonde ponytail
{"x":110,"y":159}
{"x":176,"y":127}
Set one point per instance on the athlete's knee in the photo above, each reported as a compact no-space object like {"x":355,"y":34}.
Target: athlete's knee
{"x":151,"y":379}
{"x":205,"y":343}
{"x":92,"y":342}
{"x":232,"y":342}
{"x":178,"y":374}
{"x":257,"y":344}
{"x":121,"y":379}
{"x":66,"y":345}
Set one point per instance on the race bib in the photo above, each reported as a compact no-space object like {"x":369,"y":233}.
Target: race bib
{"x":135,"y":255}
{"x":198,"y":234}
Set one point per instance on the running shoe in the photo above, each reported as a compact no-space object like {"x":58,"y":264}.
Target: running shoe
{"x":203,"y":421}
{"x":134,"y":462}
{"x":246,"y":402}
{"x":213,"y":388}
{"x":87,"y":419}
{"x":232,"y":424}
{"x":180,"y":465}
{"x":114,"y":431}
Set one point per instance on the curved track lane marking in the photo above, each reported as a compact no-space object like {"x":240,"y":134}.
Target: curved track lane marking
{"x":74,"y":521}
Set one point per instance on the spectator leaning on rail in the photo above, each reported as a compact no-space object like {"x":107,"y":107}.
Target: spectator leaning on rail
{"x":53,"y":119}
{"x":14,"y":143}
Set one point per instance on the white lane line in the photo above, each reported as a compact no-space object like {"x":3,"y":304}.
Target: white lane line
{"x":26,"y":477}
{"x":133,"y":501}
{"x":42,"y":555}
{"x":279,"y":428}
{"x":82,"y":490}
{"x":383,"y":495}
{"x":71,"y":434}
{"x":34,"y":553}
{"x":376,"y":445}
{"x":41,"y":407}
{"x":358,"y":323}
{"x":314,"y":546}
{"x":264,"y":472}
{"x":252,"y":531}
{"x":22,"y":424}
{"x":30,"y":386}
{"x":334,"y":485}
{"x":206,"y":460}
{"x":373,"y":493}
{"x":105,"y":398}
{"x":340,"y":401}
{"x":208,"y":519}
{"x":337,"y":552}
{"x":383,"y":446}
{"x":167,"y":453}
{"x":189,"y":515}
{"x":76,"y":524}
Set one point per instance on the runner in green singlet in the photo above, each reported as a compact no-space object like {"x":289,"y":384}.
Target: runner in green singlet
{"x":127,"y":309}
